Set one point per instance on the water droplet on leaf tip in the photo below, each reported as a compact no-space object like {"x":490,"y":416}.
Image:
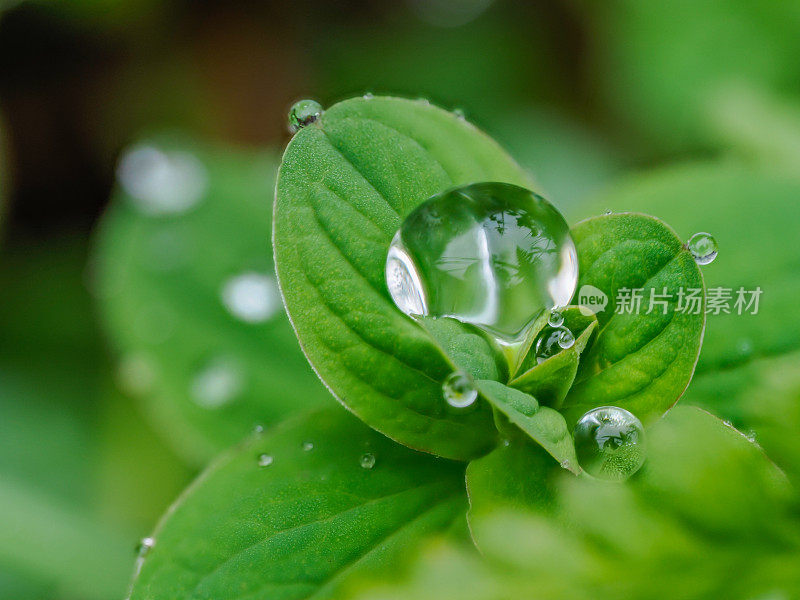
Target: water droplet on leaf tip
{"x":703,"y":248}
{"x":265,"y":460}
{"x":367,"y":461}
{"x":491,"y":254}
{"x":459,"y":390}
{"x":145,"y":545}
{"x":610,"y":443}
{"x":303,"y":113}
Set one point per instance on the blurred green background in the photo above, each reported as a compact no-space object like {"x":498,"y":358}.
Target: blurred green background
{"x":140,"y":327}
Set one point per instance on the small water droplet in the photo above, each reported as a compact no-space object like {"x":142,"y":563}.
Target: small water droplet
{"x":459,"y":113}
{"x":145,"y":545}
{"x":744,"y":347}
{"x":703,"y":247}
{"x":506,"y":442}
{"x":265,"y":460}
{"x":565,"y":464}
{"x":303,"y":113}
{"x":217,"y":383}
{"x":367,"y":461}
{"x":551,"y":341}
{"x":751,"y":436}
{"x":459,"y":390}
{"x":369,"y":96}
{"x":492,"y":254}
{"x":161,"y":182}
{"x":556,"y":319}
{"x":609,"y":442}
{"x":608,"y":212}
{"x":308,"y":446}
{"x":258,"y":429}
{"x":251,"y":297}
{"x":727,"y":423}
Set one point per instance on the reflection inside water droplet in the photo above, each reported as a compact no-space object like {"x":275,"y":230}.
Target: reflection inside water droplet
{"x":161,"y":182}
{"x":492,"y":254}
{"x":251,"y":297}
{"x":609,"y":442}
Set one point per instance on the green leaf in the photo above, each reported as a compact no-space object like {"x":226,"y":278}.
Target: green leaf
{"x":752,"y":215}
{"x":161,"y":279}
{"x":303,"y":525}
{"x":543,"y":424}
{"x":550,"y":380}
{"x":344,"y":186}
{"x":643,"y":359}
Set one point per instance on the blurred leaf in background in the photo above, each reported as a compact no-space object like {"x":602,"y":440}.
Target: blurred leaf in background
{"x":660,"y":65}
{"x":186,"y":284}
{"x":63,"y":535}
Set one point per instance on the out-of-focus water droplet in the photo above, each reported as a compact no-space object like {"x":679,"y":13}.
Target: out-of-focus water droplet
{"x":609,"y":442}
{"x":308,"y":446}
{"x":556,"y":319}
{"x":703,"y":247}
{"x":265,"y":460}
{"x":492,"y":254}
{"x":459,"y":390}
{"x":251,"y":297}
{"x":217,"y":383}
{"x":145,"y":545}
{"x":136,"y":374}
{"x":367,"y":461}
{"x":551,"y":341}
{"x":162,"y":182}
{"x":303,"y":113}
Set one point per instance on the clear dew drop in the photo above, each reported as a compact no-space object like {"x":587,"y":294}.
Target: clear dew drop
{"x":556,"y":319}
{"x":551,"y":341}
{"x":217,"y":383}
{"x":303,"y":113}
{"x":703,"y":248}
{"x":265,"y":460}
{"x":459,"y":390}
{"x":161,"y":182}
{"x":491,"y":254}
{"x":308,"y":446}
{"x":145,"y":545}
{"x":252,"y":297}
{"x":610,"y":443}
{"x":367,"y":461}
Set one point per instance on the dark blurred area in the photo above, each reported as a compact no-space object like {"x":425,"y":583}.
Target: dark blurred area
{"x":79,"y":81}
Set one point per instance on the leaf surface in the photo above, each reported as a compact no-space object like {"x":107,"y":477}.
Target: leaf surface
{"x":301,"y":525}
{"x":344,"y":186}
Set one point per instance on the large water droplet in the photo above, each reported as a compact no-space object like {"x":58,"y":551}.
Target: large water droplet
{"x":162,"y":182}
{"x":609,"y":442}
{"x":459,"y":390}
{"x":367,"y":461}
{"x":217,"y":383}
{"x":303,"y":113}
{"x":251,"y":297}
{"x":492,"y":254}
{"x":703,"y":247}
{"x":556,"y":319}
{"x":551,"y":341}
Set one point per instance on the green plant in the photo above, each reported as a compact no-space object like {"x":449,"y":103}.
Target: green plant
{"x":301,"y":510}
